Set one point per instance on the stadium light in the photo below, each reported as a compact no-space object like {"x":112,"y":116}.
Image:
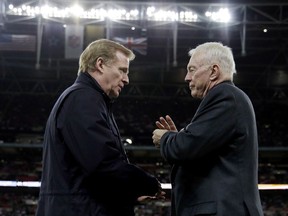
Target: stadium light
{"x":151,"y":13}
{"x":222,"y":15}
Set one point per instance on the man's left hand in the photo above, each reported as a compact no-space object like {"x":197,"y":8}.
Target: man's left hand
{"x":157,"y":134}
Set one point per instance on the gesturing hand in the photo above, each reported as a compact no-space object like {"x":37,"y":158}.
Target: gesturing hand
{"x":166,"y":123}
{"x":160,"y":195}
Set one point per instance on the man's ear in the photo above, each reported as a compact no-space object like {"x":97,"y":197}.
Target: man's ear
{"x":215,"y":72}
{"x":99,"y":63}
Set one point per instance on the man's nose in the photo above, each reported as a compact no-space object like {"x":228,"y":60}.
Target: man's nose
{"x":187,"y":77}
{"x":126,"y":79}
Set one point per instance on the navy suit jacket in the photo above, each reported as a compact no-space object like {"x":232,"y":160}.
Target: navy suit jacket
{"x":215,"y":157}
{"x":85,"y":168}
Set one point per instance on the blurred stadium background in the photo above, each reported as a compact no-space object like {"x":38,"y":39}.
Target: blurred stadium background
{"x":40,"y":42}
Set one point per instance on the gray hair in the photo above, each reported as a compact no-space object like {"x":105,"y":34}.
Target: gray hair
{"x":216,"y":53}
{"x":101,"y":48}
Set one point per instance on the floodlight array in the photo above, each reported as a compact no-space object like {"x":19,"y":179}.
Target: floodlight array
{"x":151,"y":13}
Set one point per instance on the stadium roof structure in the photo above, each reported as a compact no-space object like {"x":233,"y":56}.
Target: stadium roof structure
{"x":257,"y":32}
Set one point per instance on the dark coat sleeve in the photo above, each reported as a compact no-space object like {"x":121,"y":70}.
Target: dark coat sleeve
{"x":85,"y":127}
{"x":211,"y":127}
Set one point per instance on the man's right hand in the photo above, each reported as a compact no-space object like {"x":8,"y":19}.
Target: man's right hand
{"x":166,"y":123}
{"x":158,"y":196}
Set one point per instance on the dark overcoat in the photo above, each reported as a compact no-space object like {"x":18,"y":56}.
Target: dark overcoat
{"x":85,"y":168}
{"x":215,"y":157}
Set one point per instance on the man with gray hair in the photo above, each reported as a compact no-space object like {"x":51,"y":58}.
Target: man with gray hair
{"x":215,"y":157}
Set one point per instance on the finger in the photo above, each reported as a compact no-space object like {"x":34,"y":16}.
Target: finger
{"x":155,"y":141}
{"x":159,"y":125}
{"x":170,"y":122}
{"x":160,"y":195}
{"x":164,"y":123}
{"x":145,"y":198}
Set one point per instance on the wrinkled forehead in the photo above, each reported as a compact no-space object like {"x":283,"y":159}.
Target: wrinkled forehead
{"x":196,"y":59}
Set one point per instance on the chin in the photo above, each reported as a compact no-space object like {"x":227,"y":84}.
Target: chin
{"x":196,"y":96}
{"x":116,"y":95}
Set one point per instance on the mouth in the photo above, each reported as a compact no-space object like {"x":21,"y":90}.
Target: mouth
{"x":120,"y":88}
